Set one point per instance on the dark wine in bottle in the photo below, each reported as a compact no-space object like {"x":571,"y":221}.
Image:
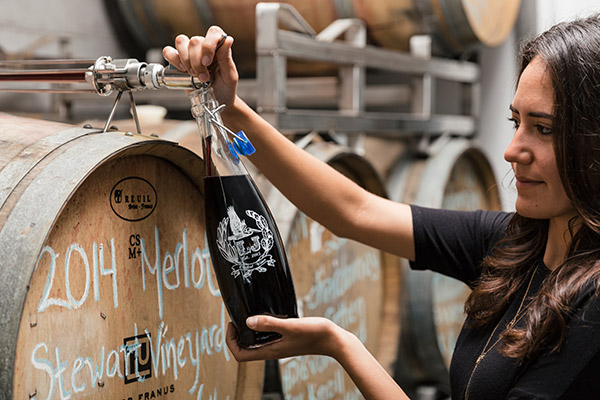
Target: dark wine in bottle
{"x":247,"y":254}
{"x":245,"y":248}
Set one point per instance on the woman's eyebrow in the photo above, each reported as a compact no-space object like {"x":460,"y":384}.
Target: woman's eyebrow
{"x":536,"y":114}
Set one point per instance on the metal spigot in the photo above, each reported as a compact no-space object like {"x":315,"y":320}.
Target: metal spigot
{"x":132,"y":75}
{"x":102,"y":76}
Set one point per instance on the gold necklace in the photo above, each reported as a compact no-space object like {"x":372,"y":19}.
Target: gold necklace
{"x":510,"y":325}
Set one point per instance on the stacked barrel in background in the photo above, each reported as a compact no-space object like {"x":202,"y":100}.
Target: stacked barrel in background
{"x":454,"y":25}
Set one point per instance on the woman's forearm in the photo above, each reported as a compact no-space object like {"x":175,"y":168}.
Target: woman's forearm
{"x":324,"y":194}
{"x":365,"y":371}
{"x":317,"y":189}
{"x":320,"y":336}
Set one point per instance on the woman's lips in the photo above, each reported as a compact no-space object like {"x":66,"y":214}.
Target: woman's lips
{"x":527,"y":183}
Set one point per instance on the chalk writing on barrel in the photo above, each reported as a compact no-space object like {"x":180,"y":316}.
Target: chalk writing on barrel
{"x":169,"y":355}
{"x":166,"y":270}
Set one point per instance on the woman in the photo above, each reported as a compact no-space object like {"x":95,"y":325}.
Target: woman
{"x":533,"y":326}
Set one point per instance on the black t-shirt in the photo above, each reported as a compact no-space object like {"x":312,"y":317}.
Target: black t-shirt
{"x":454,"y":243}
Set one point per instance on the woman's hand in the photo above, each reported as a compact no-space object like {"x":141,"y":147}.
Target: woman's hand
{"x":315,"y":335}
{"x":194,"y":55}
{"x":301,"y":336}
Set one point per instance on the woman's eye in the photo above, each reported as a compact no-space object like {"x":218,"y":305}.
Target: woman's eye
{"x":514,"y":121}
{"x":544,"y":130}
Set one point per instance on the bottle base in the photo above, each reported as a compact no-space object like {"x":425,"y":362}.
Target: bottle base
{"x":262,"y":340}
{"x":259,"y":345}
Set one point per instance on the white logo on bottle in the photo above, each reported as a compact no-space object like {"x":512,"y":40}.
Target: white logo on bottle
{"x":245,"y":247}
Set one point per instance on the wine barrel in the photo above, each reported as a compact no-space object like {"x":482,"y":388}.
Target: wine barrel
{"x":453,"y":24}
{"x":107,"y":289}
{"x":458,"y":177}
{"x":354,"y":285}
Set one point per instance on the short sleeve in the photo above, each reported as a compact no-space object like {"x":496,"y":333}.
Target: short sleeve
{"x":454,"y":243}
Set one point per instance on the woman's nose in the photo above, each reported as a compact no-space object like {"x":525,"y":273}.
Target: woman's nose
{"x":519,"y":150}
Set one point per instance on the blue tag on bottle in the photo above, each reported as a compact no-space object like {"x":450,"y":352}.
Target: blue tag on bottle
{"x":242,"y":144}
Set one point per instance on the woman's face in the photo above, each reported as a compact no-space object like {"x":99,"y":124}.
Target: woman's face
{"x":540,"y":192}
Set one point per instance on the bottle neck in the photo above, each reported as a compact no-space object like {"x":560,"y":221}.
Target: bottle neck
{"x":219,"y":155}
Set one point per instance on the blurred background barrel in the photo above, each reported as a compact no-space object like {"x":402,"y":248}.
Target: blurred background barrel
{"x":454,"y":25}
{"x":352,"y":284}
{"x":107,"y":288}
{"x":455,"y":176}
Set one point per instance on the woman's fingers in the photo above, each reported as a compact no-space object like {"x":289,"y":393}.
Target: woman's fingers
{"x":224,"y":58}
{"x":172,"y":56}
{"x":231,"y":337}
{"x":265,"y":323}
{"x":195,"y":53}
{"x":305,"y":327}
{"x":182,"y":45}
{"x":214,"y":57}
{"x":270,"y":351}
{"x":214,"y":36}
{"x":239,"y":353}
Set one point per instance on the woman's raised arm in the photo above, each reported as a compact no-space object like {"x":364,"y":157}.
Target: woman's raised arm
{"x":313,"y":186}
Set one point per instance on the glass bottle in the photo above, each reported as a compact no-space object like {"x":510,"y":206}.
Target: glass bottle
{"x":247,"y":253}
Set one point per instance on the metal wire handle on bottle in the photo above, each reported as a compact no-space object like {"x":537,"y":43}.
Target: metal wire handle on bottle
{"x":241,"y":143}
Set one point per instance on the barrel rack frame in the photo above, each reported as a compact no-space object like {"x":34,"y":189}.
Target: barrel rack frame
{"x":275,"y":45}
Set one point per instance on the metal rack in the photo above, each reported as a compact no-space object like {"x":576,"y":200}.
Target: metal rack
{"x":274,"y":45}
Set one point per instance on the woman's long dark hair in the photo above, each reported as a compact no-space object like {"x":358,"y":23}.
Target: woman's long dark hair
{"x":571,"y":52}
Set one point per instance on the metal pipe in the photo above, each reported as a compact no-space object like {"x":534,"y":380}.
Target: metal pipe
{"x":83,"y":63}
{"x":49,"y":90}
{"x":48,"y":71}
{"x":50,"y":76}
